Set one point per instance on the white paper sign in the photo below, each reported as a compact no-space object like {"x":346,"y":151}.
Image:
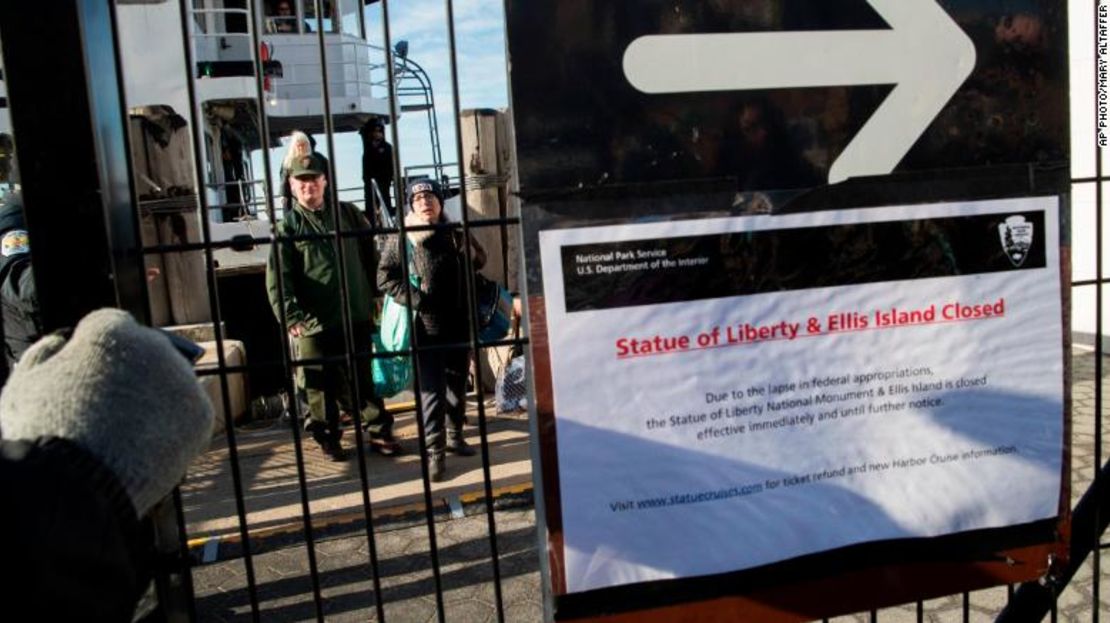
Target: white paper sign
{"x":731,"y":431}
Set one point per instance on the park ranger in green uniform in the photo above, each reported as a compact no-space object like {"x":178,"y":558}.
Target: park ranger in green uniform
{"x":311,"y":299}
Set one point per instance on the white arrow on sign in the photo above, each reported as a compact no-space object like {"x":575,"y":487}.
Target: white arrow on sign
{"x":924,"y":53}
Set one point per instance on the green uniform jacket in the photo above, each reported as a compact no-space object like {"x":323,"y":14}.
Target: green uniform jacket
{"x":310,"y":269}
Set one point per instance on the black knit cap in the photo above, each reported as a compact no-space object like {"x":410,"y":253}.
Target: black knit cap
{"x":422,"y":185}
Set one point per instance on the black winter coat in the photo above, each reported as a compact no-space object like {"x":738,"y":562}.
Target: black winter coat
{"x":74,"y":550}
{"x":377,"y":164}
{"x":19,"y":301}
{"x":437,"y":261}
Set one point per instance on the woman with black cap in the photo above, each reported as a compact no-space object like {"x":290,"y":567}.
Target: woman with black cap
{"x":441,"y":319}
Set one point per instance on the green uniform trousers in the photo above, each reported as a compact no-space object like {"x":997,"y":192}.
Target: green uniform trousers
{"x":330,"y":386}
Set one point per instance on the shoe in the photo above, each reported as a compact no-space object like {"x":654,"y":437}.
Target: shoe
{"x":437,"y":470}
{"x":385,"y":446}
{"x":459,"y":446}
{"x":334,"y":451}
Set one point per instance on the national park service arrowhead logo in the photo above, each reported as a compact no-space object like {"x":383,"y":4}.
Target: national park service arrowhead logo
{"x":1016,"y":235}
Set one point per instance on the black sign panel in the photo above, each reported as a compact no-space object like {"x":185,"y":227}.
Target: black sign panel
{"x":650,"y":272}
{"x":632,"y":111}
{"x":580,"y":122}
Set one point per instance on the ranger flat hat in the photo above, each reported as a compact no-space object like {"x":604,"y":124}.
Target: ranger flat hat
{"x":310,"y":165}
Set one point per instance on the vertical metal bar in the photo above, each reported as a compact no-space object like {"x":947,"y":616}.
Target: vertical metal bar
{"x":1097,"y":485}
{"x":173,"y":587}
{"x":130,"y":275}
{"x":183,"y":548}
{"x":214,"y":303}
{"x":403,"y":250}
{"x":74,"y":60}
{"x":874,"y":618}
{"x":175,"y":594}
{"x":394,"y":113}
{"x":365,"y":35}
{"x":286,"y":357}
{"x":483,"y":433}
{"x":345,"y":311}
{"x":920,"y":611}
{"x":1033,"y":599}
{"x":967,"y":607}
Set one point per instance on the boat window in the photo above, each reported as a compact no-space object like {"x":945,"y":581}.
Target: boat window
{"x":281,"y":17}
{"x":349,"y":12}
{"x":235,"y":16}
{"x":200,"y":16}
{"x":328,"y":24}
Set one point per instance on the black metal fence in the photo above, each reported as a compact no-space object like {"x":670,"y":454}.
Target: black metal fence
{"x":214,"y":572}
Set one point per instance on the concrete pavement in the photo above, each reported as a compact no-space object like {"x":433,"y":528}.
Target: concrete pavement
{"x":402,"y":542}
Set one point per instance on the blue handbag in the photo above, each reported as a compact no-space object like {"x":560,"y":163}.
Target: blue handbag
{"x":495,"y":309}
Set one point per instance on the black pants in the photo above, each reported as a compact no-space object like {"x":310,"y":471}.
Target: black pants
{"x":330,"y":386}
{"x":442,"y":373}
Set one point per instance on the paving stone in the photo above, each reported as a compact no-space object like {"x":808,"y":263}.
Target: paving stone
{"x":341,"y":546}
{"x":521,"y":589}
{"x":468,"y":610}
{"x":408,"y":589}
{"x":419,"y":610}
{"x":524,"y":612}
{"x":217,"y":577}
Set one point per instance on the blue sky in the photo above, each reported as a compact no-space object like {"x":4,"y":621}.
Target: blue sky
{"x":480,"y":43}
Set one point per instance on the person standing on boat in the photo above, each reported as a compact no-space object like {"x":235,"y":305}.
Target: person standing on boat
{"x":441,"y":321}
{"x":283,"y":20}
{"x":19,"y":302}
{"x":312,"y":303}
{"x":377,"y":164}
{"x":300,"y":145}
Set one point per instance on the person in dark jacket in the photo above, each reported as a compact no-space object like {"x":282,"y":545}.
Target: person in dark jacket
{"x":442,"y":317}
{"x":300,"y":145}
{"x":377,"y":164}
{"x":19,"y":301}
{"x":311,"y":302}
{"x":97,"y":429}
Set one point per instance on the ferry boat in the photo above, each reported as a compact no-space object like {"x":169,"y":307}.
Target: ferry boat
{"x":220,"y":35}
{"x":226,"y":109}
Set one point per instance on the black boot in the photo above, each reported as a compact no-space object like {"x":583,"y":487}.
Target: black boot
{"x":334,"y":450}
{"x":328,"y":440}
{"x":437,"y":466}
{"x":456,"y":444}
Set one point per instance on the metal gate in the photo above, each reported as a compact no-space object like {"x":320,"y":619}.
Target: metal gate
{"x":263,"y":527}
